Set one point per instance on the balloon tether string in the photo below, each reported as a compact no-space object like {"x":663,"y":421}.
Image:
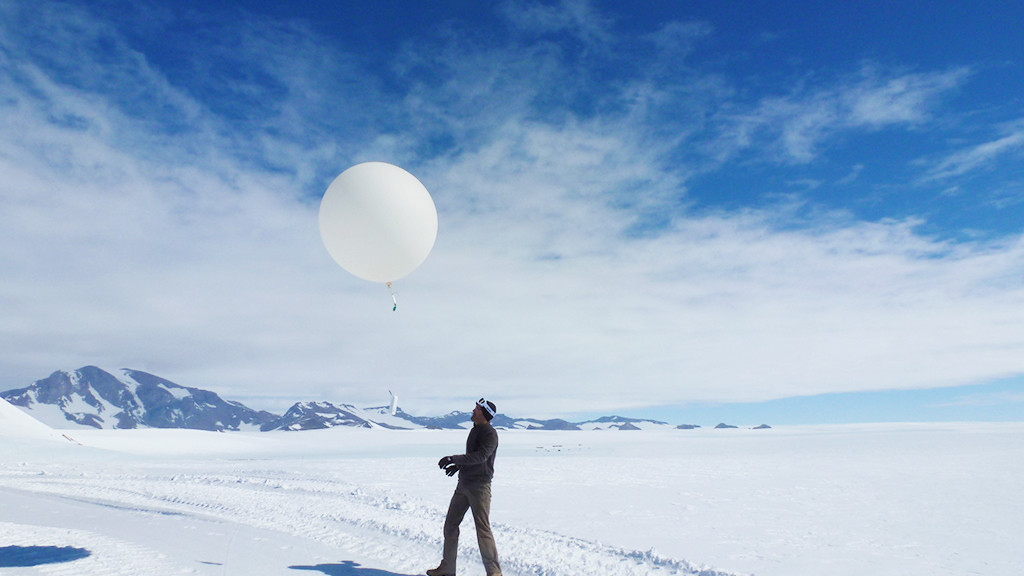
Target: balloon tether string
{"x":393,"y":298}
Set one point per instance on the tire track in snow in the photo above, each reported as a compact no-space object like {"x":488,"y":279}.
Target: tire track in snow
{"x":402,"y":533}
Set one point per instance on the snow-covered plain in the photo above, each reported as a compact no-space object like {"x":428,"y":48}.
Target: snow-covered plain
{"x":883,"y":499}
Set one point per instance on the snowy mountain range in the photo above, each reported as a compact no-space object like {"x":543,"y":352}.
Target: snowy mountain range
{"x":93,"y":397}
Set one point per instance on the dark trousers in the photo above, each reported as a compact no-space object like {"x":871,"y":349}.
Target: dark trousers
{"x":478,"y":499}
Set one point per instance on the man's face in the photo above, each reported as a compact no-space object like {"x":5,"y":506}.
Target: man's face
{"x":478,"y":415}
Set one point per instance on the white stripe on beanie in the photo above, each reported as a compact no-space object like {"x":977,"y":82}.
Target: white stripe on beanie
{"x":488,"y":407}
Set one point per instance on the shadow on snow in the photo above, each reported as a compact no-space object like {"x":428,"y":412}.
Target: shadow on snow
{"x":347,"y":568}
{"x":21,"y":556}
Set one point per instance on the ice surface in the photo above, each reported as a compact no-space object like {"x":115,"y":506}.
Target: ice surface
{"x":892,"y":499}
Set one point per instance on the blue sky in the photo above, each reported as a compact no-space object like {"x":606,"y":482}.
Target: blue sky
{"x":780,"y":211}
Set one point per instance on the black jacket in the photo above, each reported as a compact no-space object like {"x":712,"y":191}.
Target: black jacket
{"x":476,"y":466}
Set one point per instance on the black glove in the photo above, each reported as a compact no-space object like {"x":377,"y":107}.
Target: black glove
{"x":444,"y":462}
{"x":451,"y":469}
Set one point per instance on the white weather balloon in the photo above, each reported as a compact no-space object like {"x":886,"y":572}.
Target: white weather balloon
{"x":378,"y":221}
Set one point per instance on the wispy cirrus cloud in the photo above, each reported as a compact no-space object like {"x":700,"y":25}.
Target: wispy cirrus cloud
{"x":979,"y":156}
{"x":578,"y":18}
{"x":798,"y":124}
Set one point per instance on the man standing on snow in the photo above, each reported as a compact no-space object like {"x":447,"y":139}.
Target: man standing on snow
{"x":473,"y":492}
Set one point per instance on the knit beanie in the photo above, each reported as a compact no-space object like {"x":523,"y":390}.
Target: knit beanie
{"x":488,"y":408}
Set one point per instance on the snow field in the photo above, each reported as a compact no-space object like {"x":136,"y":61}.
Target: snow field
{"x":106,"y":556}
{"x":844,"y":500}
{"x":357,"y":521}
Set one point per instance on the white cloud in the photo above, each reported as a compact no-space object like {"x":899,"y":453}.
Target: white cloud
{"x":850,"y":178}
{"x":980,"y":155}
{"x":801,"y":122}
{"x":989,"y":399}
{"x":877,"y":100}
{"x":678,"y":38}
{"x":576,"y":17}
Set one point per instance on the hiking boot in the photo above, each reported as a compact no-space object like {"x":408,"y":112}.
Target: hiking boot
{"x":438,"y":572}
